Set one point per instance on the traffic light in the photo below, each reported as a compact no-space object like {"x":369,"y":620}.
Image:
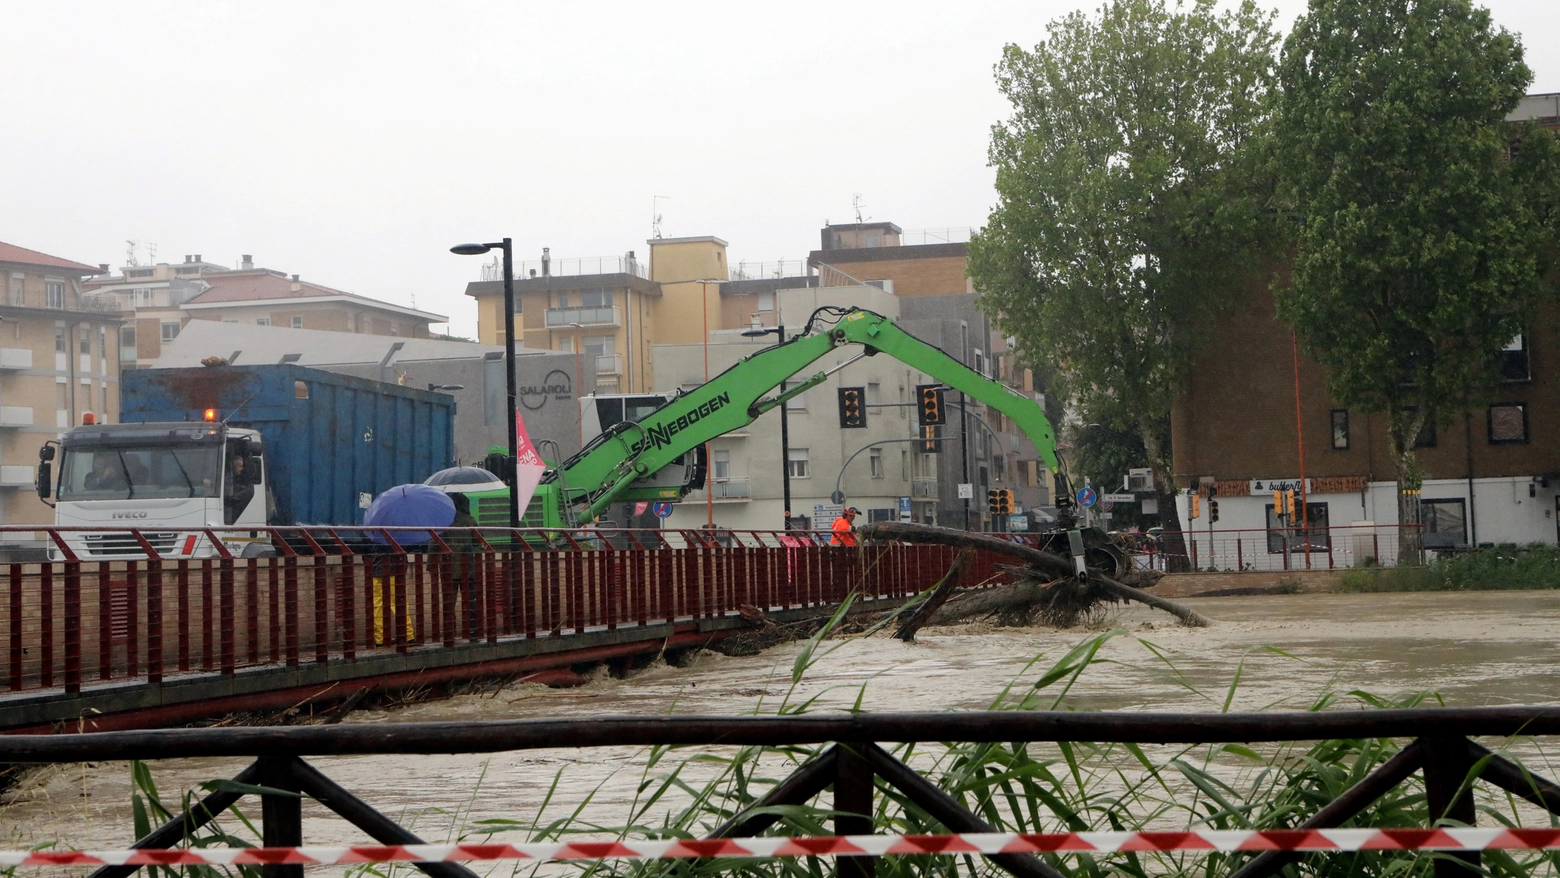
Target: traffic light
{"x":929,"y":443}
{"x":1213,"y":511}
{"x":1289,"y":502}
{"x":931,"y":411}
{"x":1005,"y":501}
{"x":1278,"y":502}
{"x":994,"y":502}
{"x":1196,"y":501}
{"x":852,"y":413}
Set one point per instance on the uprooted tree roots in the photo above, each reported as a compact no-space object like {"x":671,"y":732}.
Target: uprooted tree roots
{"x":1045,"y":590}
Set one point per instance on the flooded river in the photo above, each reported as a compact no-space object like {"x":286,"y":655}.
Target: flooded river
{"x":1471,"y":649}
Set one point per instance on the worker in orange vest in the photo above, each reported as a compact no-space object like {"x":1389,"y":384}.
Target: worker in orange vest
{"x":845,"y":527}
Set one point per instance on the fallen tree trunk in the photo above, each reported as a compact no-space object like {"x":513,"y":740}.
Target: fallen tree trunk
{"x":1046,"y":566}
{"x":939,"y":596}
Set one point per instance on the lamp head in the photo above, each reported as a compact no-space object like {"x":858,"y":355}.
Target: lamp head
{"x":759,"y":332}
{"x":470,"y":249}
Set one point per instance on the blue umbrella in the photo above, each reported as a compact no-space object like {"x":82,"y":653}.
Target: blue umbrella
{"x":409,"y":506}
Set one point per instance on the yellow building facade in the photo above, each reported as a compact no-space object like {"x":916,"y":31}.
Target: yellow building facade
{"x":59,"y":361}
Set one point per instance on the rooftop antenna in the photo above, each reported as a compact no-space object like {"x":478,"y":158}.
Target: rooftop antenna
{"x":655,"y":214}
{"x":151,"y":253}
{"x":855,"y":201}
{"x":130,"y":255}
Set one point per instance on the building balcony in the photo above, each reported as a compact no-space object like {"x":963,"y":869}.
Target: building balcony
{"x":733,"y":489}
{"x":606,"y":315}
{"x":724,"y":491}
{"x":17,"y":476}
{"x":16,"y":358}
{"x":16,"y":416}
{"x":609,"y":364}
{"x":923,"y":488}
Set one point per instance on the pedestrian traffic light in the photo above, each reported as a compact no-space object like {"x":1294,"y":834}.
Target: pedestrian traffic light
{"x":1196,"y":503}
{"x":930,"y":412}
{"x":852,"y":414}
{"x":1213,"y":511}
{"x":929,"y":443}
{"x":994,"y":502}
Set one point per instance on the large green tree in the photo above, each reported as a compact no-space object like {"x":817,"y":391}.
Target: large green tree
{"x":1130,"y":201}
{"x":1419,"y":240}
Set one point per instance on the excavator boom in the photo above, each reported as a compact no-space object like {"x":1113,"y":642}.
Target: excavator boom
{"x":579,"y":489}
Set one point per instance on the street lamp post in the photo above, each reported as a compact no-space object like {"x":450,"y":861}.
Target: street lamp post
{"x":509,"y":358}
{"x":785,"y":426}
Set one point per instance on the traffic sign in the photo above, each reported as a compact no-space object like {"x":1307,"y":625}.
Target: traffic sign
{"x":1106,"y":504}
{"x":1121,"y":498}
{"x":662,"y":509}
{"x":966,"y":491}
{"x":1086,"y":497}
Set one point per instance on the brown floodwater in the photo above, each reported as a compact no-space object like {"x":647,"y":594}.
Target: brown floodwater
{"x":1470,"y":649}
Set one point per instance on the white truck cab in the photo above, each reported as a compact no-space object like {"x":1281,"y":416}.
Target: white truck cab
{"x":170,"y":481}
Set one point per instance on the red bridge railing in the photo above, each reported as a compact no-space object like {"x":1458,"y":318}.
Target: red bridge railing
{"x":69,"y":619}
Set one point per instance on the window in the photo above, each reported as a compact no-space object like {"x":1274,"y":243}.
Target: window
{"x":297,"y":321}
{"x":54,"y":294}
{"x":59,"y":339}
{"x":103,"y":342}
{"x":979,"y":363}
{"x":722,"y":466}
{"x":1513,"y":360}
{"x":874,"y":397}
{"x":170,"y":331}
{"x":904,"y":465}
{"x":17,"y":296}
{"x":1293,"y":535}
{"x":766,"y":301}
{"x":141,"y":298}
{"x":1508,"y":423}
{"x":796,"y":463}
{"x":1340,"y":429}
{"x":875,"y":459}
{"x":86,"y":342}
{"x":595,"y":299}
{"x":874,"y":515}
{"x":262,"y":321}
{"x":1445,"y":524}
{"x":797,"y":403}
{"x":127,"y":342}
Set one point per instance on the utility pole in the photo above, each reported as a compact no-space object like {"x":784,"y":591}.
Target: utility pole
{"x":964,"y":452}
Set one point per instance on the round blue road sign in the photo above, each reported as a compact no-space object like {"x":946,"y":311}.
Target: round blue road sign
{"x":662,"y":509}
{"x":1086,"y":497}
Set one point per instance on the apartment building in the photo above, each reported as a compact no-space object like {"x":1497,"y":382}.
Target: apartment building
{"x":164,"y":297}
{"x":59,"y":361}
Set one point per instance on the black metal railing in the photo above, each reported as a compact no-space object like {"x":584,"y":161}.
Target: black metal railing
{"x":855,"y":765}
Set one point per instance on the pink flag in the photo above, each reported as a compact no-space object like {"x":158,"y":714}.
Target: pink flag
{"x":525,"y":452}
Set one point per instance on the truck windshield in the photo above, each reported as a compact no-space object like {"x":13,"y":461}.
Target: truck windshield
{"x":140,"y":472}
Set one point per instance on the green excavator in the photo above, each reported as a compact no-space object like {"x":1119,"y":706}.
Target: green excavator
{"x":658,"y":455}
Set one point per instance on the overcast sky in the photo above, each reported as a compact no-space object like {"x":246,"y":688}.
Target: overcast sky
{"x":354,"y":142}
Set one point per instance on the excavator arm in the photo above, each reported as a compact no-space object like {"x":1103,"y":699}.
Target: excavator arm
{"x":583,"y":486}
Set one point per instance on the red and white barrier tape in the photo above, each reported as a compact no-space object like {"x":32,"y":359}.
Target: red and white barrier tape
{"x":1207,"y":841}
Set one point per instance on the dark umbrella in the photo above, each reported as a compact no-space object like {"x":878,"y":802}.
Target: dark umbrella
{"x":409,"y":506}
